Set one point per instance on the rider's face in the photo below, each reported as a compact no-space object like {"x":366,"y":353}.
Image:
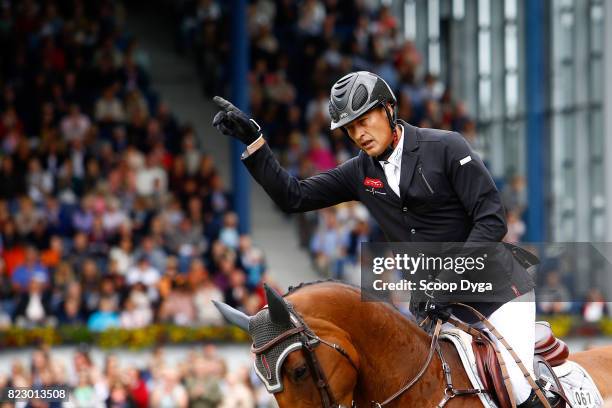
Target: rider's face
{"x":371,"y":131}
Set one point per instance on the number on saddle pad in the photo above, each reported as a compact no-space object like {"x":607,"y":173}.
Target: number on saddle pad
{"x":578,"y":385}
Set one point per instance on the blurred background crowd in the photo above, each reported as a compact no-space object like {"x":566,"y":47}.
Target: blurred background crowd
{"x":110,"y":212}
{"x":199,"y":379}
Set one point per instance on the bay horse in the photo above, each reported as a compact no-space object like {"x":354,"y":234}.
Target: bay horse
{"x":374,"y":350}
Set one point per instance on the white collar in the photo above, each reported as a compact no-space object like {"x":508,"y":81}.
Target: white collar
{"x":396,"y":156}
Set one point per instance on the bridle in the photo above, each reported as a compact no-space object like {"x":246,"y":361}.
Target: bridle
{"x":309,"y":341}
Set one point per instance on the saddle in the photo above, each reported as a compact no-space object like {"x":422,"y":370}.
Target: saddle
{"x":548,"y":347}
{"x":549,"y":352}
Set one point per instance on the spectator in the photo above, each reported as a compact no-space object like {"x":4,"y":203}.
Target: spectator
{"x":178,"y":307}
{"x":137,"y":387}
{"x":53,"y":254}
{"x":151,"y":180}
{"x":122,"y":255}
{"x":119,"y":396}
{"x":84,"y":393}
{"x":229,"y":232}
{"x":79,"y":253}
{"x":70,"y":312}
{"x":109,"y":109}
{"x":39,"y":181}
{"x":137,"y":311}
{"x":114,"y":216}
{"x":553,"y":296}
{"x":516,"y":227}
{"x":186,"y":242}
{"x":29,"y":270}
{"x":595,"y":307}
{"x":203,"y":385}
{"x":239,"y":393}
{"x":105,"y":317}
{"x":205,"y":293}
{"x":90,"y":285}
{"x":83,"y":218}
{"x":190,"y":154}
{"x":251,"y":260}
{"x":514,"y":195}
{"x":12,"y":183}
{"x":329,"y":246}
{"x":143,"y":272}
{"x":169,"y":392}
{"x":75,"y":125}
{"x":153,"y":250}
{"x":27,"y":217}
{"x":33,"y":308}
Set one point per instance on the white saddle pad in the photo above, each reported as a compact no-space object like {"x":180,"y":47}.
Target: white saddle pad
{"x":578,"y":385}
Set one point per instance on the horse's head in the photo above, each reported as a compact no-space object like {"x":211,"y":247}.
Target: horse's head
{"x":303,"y":358}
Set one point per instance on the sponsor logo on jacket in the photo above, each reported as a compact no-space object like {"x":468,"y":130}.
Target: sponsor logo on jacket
{"x":372,"y":182}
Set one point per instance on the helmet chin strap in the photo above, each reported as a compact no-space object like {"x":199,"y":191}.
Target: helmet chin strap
{"x":391,"y":146}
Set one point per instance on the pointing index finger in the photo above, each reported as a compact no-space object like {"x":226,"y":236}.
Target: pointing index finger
{"x":224,"y":104}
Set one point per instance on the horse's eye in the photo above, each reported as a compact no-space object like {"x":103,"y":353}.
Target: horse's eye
{"x":300,"y":372}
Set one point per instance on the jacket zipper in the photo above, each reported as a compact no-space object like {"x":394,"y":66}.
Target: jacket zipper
{"x":425,"y":180}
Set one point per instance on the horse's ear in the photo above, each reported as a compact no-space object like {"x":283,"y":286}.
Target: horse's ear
{"x":233,"y":316}
{"x":279,"y":313}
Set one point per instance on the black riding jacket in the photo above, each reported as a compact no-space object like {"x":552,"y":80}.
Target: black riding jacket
{"x":446,"y":194}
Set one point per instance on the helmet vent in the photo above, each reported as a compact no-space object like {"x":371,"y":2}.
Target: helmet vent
{"x":360,"y":97}
{"x":340,"y":87}
{"x":345,"y":80}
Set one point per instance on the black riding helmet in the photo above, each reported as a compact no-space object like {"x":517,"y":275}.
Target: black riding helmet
{"x":355,"y":94}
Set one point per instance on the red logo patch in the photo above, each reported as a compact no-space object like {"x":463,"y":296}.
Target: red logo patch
{"x":374,"y":183}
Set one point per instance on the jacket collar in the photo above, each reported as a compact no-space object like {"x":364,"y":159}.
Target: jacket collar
{"x":411,"y":142}
{"x":409,"y":158}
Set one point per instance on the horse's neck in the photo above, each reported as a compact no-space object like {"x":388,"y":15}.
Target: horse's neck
{"x":392,"y":351}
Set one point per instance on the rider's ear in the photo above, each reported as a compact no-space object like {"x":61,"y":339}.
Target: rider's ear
{"x":279,"y":313}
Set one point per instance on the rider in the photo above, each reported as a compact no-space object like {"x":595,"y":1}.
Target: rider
{"x":422,"y":169}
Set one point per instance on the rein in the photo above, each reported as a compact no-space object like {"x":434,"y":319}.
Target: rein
{"x":450,"y":391}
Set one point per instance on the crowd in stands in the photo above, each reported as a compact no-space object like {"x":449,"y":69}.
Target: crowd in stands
{"x":111,"y":214}
{"x":298,"y":50}
{"x":200,"y":379}
{"x":555,"y":297}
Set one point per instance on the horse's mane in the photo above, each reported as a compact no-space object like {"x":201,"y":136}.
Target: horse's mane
{"x":367,"y":295}
{"x":301,"y":285}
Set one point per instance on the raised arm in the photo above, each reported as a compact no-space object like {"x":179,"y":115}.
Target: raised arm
{"x":289,"y":193}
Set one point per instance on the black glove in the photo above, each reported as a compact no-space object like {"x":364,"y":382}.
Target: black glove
{"x":438,"y":310}
{"x":231,"y":121}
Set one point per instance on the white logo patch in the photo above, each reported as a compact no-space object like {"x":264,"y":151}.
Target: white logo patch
{"x":466,"y":159}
